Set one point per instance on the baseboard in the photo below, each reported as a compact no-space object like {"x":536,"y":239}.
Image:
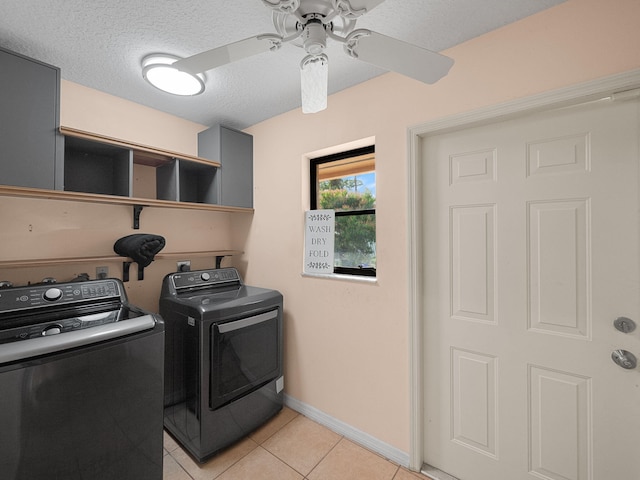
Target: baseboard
{"x":357,"y":436}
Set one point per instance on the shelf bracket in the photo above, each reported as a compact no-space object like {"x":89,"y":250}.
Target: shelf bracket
{"x":137,"y":209}
{"x":125,"y":271}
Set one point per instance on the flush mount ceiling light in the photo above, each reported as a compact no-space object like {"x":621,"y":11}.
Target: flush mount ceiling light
{"x":158,"y":70}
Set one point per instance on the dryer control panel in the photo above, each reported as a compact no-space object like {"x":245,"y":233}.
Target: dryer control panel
{"x":205,"y":278}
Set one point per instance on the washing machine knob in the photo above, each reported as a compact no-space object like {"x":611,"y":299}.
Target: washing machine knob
{"x":52,"y":294}
{"x":52,"y":330}
{"x":205,"y":276}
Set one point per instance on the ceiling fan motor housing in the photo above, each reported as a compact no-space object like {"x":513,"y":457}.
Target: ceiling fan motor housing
{"x":314,"y":37}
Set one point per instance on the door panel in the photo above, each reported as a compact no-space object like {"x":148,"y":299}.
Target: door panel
{"x":559,"y":424}
{"x":473,"y":391}
{"x":473,"y":265}
{"x":559,"y":274}
{"x":531,"y":251}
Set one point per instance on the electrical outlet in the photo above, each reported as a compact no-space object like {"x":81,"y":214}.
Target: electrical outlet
{"x":184,"y":266}
{"x":102,"y":272}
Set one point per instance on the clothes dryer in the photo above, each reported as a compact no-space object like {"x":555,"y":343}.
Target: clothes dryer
{"x":223,"y":358}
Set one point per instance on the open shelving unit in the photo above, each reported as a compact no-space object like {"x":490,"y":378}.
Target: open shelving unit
{"x":100,"y":169}
{"x":97,"y":164}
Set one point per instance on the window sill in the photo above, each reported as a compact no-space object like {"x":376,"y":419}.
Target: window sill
{"x":347,"y":278}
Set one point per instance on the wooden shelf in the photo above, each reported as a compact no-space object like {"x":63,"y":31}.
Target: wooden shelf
{"x":6,"y":190}
{"x":143,"y":154}
{"x":212,"y":253}
{"x":43,"y":262}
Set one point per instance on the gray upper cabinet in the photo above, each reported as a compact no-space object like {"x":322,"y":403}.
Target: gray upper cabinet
{"x":31,"y":149}
{"x":234,"y":150}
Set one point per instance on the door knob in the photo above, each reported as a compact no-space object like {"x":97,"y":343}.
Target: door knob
{"x":624,"y":324}
{"x":625,"y":359}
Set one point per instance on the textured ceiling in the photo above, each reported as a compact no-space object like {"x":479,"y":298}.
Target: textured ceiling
{"x":100,"y":44}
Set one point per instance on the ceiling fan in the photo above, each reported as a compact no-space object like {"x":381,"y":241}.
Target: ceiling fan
{"x":308,"y":24}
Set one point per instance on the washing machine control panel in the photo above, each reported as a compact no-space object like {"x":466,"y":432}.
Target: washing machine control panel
{"x":204,"y":278}
{"x":33,"y":296}
{"x":48,"y":309}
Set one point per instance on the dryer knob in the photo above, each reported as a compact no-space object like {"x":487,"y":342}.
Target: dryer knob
{"x":205,"y":276}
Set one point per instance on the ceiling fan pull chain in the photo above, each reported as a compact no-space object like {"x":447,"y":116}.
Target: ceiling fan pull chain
{"x":351,"y":42}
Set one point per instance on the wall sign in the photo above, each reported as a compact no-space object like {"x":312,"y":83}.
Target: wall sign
{"x":319,"y":230}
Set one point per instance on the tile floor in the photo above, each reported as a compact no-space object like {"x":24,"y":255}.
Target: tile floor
{"x":288,"y":447}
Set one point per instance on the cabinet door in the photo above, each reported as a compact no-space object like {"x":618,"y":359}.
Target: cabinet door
{"x":30,"y":145}
{"x":236,"y":155}
{"x":234,"y":150}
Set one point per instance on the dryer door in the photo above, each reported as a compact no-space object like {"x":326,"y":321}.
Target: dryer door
{"x":245,"y":354}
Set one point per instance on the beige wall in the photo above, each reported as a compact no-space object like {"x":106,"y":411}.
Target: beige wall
{"x":346,"y":342}
{"x":97,"y":112}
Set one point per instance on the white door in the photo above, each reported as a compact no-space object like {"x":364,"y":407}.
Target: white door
{"x":531,"y":251}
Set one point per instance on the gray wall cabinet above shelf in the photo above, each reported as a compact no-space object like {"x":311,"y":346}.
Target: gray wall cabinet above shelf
{"x":234,"y":149}
{"x":30,"y":145}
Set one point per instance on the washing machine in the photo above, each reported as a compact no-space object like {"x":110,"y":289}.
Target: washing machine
{"x":81,"y":384}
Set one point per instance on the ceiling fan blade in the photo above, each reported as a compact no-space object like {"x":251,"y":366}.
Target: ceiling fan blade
{"x":210,"y":59}
{"x":398,"y":56}
{"x":314,"y":78}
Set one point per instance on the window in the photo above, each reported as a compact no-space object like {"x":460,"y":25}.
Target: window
{"x":346,"y":182}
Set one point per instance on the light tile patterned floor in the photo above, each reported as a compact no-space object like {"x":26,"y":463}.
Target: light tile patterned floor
{"x":288,"y":447}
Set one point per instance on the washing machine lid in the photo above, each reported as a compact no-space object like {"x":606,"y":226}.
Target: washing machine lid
{"x":38,"y":320}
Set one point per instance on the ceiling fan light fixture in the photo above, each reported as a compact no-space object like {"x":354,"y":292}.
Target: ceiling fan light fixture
{"x":314,"y":75}
{"x":157,"y":69}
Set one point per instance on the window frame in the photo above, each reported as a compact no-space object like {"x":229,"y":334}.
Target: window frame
{"x":313,"y":180}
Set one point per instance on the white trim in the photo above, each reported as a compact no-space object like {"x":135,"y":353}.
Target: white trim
{"x":563,"y":97}
{"x":435,"y":474}
{"x":364,"y":439}
{"x":414,"y":250}
{"x":589,"y":91}
{"x":342,"y":276}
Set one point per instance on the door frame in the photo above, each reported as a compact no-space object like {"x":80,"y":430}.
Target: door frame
{"x":592,"y":91}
